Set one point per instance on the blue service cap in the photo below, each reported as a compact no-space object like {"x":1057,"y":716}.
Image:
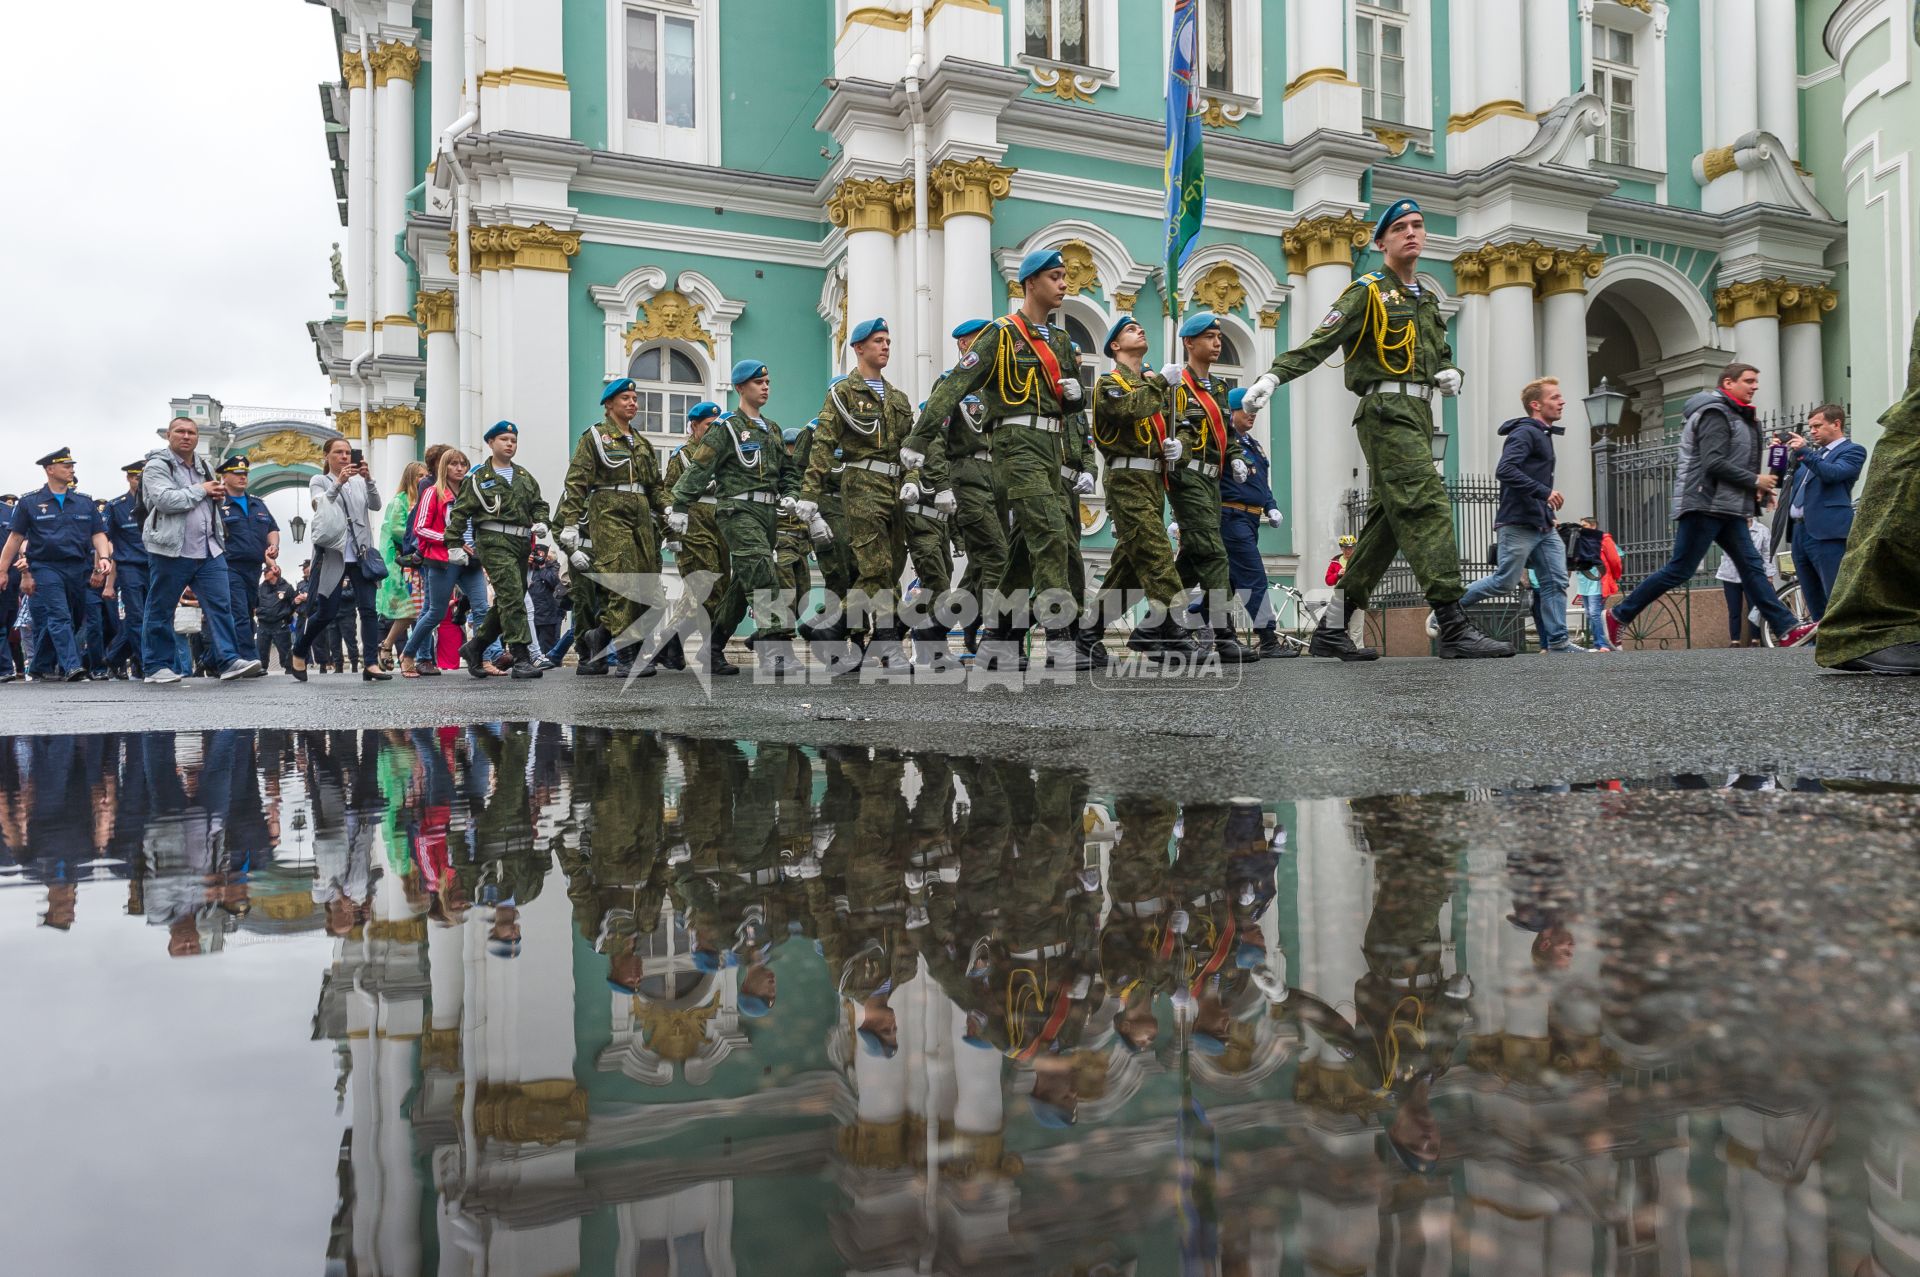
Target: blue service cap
{"x":789,"y":434}
{"x":1395,"y":211}
{"x":1236,"y":397}
{"x":236,"y":464}
{"x":58,"y":457}
{"x":753,"y":1006}
{"x":501,"y":947}
{"x":712,"y":960}
{"x":704,"y":409}
{"x":1106,"y":347}
{"x":968,"y":327}
{"x":615,"y":386}
{"x":747,"y":369}
{"x":1210,"y":1045}
{"x":1055,"y":1117}
{"x":865,"y":329}
{"x":1038,"y":260}
{"x":134,"y":467}
{"x":500,"y":428}
{"x":1198,"y":322}
{"x":873,"y":1044}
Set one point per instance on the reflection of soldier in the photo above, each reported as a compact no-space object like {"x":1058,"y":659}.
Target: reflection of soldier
{"x":1137,"y":945}
{"x":859,"y":903}
{"x":503,"y":866}
{"x":616,"y":877}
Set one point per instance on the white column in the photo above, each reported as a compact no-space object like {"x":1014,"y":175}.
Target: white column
{"x":1320,"y":93}
{"x":1513,"y":354}
{"x":1736,"y":61}
{"x":523,"y":88}
{"x":1473,"y":353}
{"x":902,"y":316}
{"x":1563,"y":314}
{"x":1778,"y":29}
{"x":359,"y":153}
{"x":1497,"y":124}
{"x":449,"y":66}
{"x":443,"y":368}
{"x":1549,"y":57}
{"x":524,"y":315}
{"x":1755,"y":309}
{"x":395,"y":65}
{"x":1326,"y":452}
{"x":1803,"y":372}
{"x":870,"y":291}
{"x":967,"y":290}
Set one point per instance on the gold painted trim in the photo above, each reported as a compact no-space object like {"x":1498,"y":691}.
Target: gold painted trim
{"x":395,"y":61}
{"x":536,"y":247}
{"x":885,"y":19}
{"x":508,"y":77}
{"x":1470,"y":275}
{"x":1220,"y":290}
{"x":668,"y":315}
{"x":435,"y":309}
{"x":1325,"y":241}
{"x":356,"y":325}
{"x":1319,"y":75}
{"x":863,"y":204}
{"x":978,"y":6}
{"x":968,"y":188}
{"x":1570,"y":271}
{"x":1394,"y":140}
{"x":1487,"y":111}
{"x":353,"y":72}
{"x":398,"y":321}
{"x":1269,"y":319}
{"x":1802,"y":305}
{"x":1751,"y":299}
{"x":1717,"y":163}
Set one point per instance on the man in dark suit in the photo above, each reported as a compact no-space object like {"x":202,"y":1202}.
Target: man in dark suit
{"x":1819,"y":502}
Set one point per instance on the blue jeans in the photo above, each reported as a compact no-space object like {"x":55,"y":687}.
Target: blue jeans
{"x":168,"y":578}
{"x":1817,"y":563}
{"x":1693,"y":536}
{"x":60,"y":602}
{"x":1596,"y":606}
{"x":1519,"y":549}
{"x":130,"y":583}
{"x":442,"y":579}
{"x":1246,"y":571}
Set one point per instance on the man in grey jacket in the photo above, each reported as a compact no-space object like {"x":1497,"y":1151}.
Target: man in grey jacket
{"x":1719,"y":485}
{"x":185,"y":546}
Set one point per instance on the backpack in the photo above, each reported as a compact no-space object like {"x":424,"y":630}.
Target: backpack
{"x":1586,"y":549}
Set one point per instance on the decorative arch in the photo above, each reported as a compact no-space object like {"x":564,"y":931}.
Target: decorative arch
{"x":282,"y":453}
{"x":1115,"y":272}
{"x":1221,"y":270}
{"x":642,"y":308}
{"x":833,"y":313}
{"x":1662,"y":306}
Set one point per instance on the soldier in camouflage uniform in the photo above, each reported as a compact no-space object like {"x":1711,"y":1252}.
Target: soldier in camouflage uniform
{"x":616,"y":875}
{"x":866,"y":420}
{"x":743,"y":459}
{"x":614,"y":484}
{"x":1872,"y":624}
{"x":504,"y":866}
{"x":791,"y":547}
{"x":1208,"y":448}
{"x":698,"y":549}
{"x":1021,"y":367}
{"x":497,"y":514}
{"x":827,"y":534}
{"x":1076,"y":477}
{"x":978,"y":521}
{"x":931,"y":551}
{"x":1130,"y":429}
{"x":1397,"y":357}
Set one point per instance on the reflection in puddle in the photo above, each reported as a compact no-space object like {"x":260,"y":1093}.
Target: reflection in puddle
{"x":616,"y":1002}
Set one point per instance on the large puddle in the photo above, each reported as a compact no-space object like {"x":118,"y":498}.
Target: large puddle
{"x":528,"y":999}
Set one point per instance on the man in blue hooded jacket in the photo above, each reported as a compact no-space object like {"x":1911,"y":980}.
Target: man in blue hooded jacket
{"x":1525,"y":520}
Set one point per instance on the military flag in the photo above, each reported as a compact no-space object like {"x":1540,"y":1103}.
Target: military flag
{"x":1186,"y":165}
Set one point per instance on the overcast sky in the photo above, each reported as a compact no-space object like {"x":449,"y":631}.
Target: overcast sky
{"x":168,"y":221}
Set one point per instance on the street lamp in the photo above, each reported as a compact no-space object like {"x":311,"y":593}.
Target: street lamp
{"x":299,"y":527}
{"x":1605,"y":407}
{"x":1437,"y":444}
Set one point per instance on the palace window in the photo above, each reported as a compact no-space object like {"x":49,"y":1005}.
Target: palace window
{"x":1230,"y":365}
{"x":1615,"y":81}
{"x":1381,"y":38}
{"x":666,"y":73}
{"x":670,"y":383}
{"x":1217,"y":53}
{"x":1089,"y":370}
{"x":1060,"y":31}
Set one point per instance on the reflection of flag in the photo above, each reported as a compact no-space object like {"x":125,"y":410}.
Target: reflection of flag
{"x":1199,"y":1153}
{"x":1186,"y":168}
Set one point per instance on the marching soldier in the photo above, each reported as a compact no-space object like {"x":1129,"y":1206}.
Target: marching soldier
{"x":1130,"y":429}
{"x":1397,"y":358}
{"x":791,"y":546}
{"x":741,"y":456}
{"x":614,"y":482}
{"x":252,"y":537}
{"x":1243,"y":508}
{"x":697,"y":548}
{"x":867,"y":420}
{"x":827,"y":533}
{"x":496,"y":517}
{"x":65,"y":539}
{"x":977,"y":522}
{"x":931,"y":550}
{"x":1077,"y":481}
{"x":1208,"y":448}
{"x":1017,"y":366}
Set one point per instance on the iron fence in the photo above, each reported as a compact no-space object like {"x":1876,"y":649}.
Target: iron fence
{"x":1475,"y":499}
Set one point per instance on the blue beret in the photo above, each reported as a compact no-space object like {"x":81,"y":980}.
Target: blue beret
{"x":1235,"y":398}
{"x":711,"y":960}
{"x":615,"y":386}
{"x":1247,"y":956}
{"x":1055,"y":1117}
{"x":753,"y":1006}
{"x":58,"y":457}
{"x":1395,"y":211}
{"x":1209,"y":1044}
{"x":865,"y":329}
{"x":873,"y":1044}
{"x":789,"y":433}
{"x":747,"y":369}
{"x":501,"y":948}
{"x":1106,"y":347}
{"x":704,"y":409}
{"x":1198,"y":322}
{"x":500,"y":428}
{"x":1038,"y":260}
{"x":968,"y":327}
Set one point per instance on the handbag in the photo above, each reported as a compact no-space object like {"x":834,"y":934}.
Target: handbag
{"x":372,"y":566}
{"x":186,"y":620}
{"x":329,"y":531}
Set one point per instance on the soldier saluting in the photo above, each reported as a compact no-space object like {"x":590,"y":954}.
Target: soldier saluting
{"x":1397,"y":357}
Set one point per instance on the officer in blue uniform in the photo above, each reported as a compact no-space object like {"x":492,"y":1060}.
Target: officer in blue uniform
{"x":1244,"y":505}
{"x":9,"y":598}
{"x":66,"y":541}
{"x":130,"y":571}
{"x":252,"y":537}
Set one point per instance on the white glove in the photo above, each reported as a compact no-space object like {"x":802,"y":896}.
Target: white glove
{"x":1083,"y":484}
{"x":944,"y":501}
{"x":787,"y":504}
{"x":1170,"y":373}
{"x":1069,"y":390}
{"x":676,"y":520}
{"x":1177,"y":922}
{"x":540,"y":531}
{"x":817,"y":529}
{"x":1448,"y":380}
{"x":1260,"y":392}
{"x":580,"y":560}
{"x":569,"y":538}
{"x":1171,"y":450}
{"x":910,"y":493}
{"x":670,"y":546}
{"x":457,"y":557}
{"x":1272,"y":517}
{"x":1239,"y":470}
{"x":805,"y":509}
{"x":1173,"y":529}
{"x":912,"y":460}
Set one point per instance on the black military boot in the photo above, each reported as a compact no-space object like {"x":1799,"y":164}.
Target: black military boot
{"x":1088,"y":639}
{"x":523,"y":666}
{"x":930,"y":651}
{"x":1333,"y":640}
{"x":888,"y":651}
{"x":777,"y":658}
{"x":1227,"y":645}
{"x":714,"y":655}
{"x":1271,"y":647}
{"x":472,"y":654}
{"x":673,"y":654}
{"x":970,"y":635}
{"x":1168,"y":638}
{"x":593,"y":652}
{"x":1064,"y":651}
{"x":1461,"y":640}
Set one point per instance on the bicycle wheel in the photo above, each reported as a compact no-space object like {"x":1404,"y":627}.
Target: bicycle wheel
{"x":1796,"y":603}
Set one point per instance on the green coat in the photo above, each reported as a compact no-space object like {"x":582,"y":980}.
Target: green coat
{"x":856,"y":426}
{"x":1375,"y":351}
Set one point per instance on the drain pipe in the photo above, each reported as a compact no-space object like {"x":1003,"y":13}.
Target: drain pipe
{"x":465,"y":338}
{"x":922,"y":243}
{"x":369,"y":239}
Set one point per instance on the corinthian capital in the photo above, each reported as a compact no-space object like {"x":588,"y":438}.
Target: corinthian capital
{"x":970,"y":186}
{"x":395,"y":61}
{"x":862,"y":204}
{"x":1325,"y":241}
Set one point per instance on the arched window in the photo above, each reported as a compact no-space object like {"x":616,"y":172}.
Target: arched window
{"x":1231,"y":364}
{"x":1090,"y":361}
{"x":670,"y":384}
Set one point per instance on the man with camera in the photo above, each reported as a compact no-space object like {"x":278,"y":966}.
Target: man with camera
{"x":1819,"y":502}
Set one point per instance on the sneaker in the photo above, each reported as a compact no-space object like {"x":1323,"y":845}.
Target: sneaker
{"x":1433,"y":626}
{"x":1563,"y":649}
{"x":1616,"y":630}
{"x":1801,"y":634}
{"x":161,"y":676}
{"x":238,"y":667}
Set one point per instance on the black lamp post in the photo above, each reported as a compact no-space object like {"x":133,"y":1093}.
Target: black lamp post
{"x":1605,"y":407}
{"x":1437,"y":443}
{"x":299,"y":527}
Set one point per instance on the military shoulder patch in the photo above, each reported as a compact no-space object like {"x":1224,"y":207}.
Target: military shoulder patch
{"x":1333,"y":318}
{"x":1372,"y":277}
{"x":969,"y":360}
{"x":1114,"y":392}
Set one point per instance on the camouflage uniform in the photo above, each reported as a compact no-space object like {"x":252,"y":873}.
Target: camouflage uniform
{"x":867,"y":432}
{"x":1126,"y":408}
{"x":979,"y":524}
{"x":501,"y":518}
{"x":1195,"y":484}
{"x":614,"y":481}
{"x":747,"y":465}
{"x":834,"y":558}
{"x":616,"y":877}
{"x":701,"y":547}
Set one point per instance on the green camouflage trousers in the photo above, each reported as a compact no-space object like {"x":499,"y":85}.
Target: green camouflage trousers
{"x":702,"y":550}
{"x":1407,"y":505}
{"x":790,"y":550}
{"x":748,"y":530}
{"x":1876,"y":598}
{"x":979,"y":527}
{"x":1142,"y":552}
{"x":621,"y":527}
{"x":1196,"y":508}
{"x":932,"y":555}
{"x":504,"y":559}
{"x":876,"y":536}
{"x":1026,"y":466}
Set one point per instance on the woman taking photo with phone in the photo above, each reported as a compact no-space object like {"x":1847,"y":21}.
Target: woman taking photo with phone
{"x":347,"y":560}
